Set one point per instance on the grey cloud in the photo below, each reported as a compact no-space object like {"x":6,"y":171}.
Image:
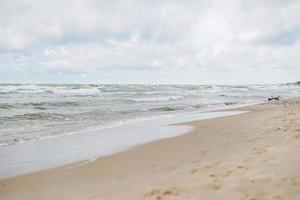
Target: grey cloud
{"x":232,"y":40}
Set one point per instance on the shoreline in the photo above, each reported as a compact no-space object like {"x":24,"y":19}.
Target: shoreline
{"x":22,"y":159}
{"x":155,"y":118}
{"x":234,"y":157}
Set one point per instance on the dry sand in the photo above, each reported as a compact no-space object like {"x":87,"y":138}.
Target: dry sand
{"x":249,"y":156}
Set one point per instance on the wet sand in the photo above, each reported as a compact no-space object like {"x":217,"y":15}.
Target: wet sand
{"x":249,"y":156}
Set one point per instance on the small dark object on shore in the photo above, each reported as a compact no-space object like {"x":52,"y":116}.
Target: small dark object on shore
{"x":274,"y":98}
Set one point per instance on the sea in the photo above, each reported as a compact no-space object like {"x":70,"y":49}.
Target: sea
{"x":30,"y":112}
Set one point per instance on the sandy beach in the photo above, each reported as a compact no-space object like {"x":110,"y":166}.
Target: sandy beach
{"x":248,"y":156}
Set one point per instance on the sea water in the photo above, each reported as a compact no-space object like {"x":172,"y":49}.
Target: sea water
{"x":34,"y":112}
{"x":46,"y":126}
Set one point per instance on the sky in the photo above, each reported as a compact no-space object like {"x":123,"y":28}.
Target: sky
{"x":150,"y":41}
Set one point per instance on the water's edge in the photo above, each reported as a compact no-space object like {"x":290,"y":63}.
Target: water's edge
{"x":30,"y":112}
{"x":82,"y":148}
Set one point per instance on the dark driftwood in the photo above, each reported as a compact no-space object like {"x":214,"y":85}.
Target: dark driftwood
{"x":274,"y":98}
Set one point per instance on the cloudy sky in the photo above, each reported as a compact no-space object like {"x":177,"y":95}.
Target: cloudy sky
{"x":150,"y":41}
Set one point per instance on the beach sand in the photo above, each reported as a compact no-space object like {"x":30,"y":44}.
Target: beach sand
{"x":255,"y":155}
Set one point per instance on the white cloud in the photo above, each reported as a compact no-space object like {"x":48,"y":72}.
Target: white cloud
{"x":171,"y":41}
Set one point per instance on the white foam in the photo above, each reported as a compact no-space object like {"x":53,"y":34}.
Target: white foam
{"x":157,"y":99}
{"x":43,"y":154}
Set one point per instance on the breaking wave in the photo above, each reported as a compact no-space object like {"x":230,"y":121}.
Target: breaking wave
{"x":29,"y":111}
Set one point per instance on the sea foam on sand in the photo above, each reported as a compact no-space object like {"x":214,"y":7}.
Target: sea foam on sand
{"x":53,"y":152}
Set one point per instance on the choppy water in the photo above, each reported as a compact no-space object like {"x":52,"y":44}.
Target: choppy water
{"x":30,"y":112}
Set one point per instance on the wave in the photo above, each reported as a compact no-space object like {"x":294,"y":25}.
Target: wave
{"x":99,"y":89}
{"x":156,"y":99}
{"x":231,"y":103}
{"x":36,"y":110}
{"x":40,"y":105}
{"x":53,"y":104}
{"x":33,"y":116}
{"x":167,"y":108}
{"x":6,"y":106}
{"x":48,"y":89}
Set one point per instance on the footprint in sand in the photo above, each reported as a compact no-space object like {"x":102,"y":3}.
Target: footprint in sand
{"x":297,"y":133}
{"x":238,"y":170}
{"x":223,"y":175}
{"x":276,"y":129}
{"x":195,"y":161}
{"x":204,"y":168}
{"x":218,"y":180}
{"x":243,"y":167}
{"x":217,"y":183}
{"x":297,"y":136}
{"x":282,"y":188}
{"x":259,"y":150}
{"x":158,"y":194}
